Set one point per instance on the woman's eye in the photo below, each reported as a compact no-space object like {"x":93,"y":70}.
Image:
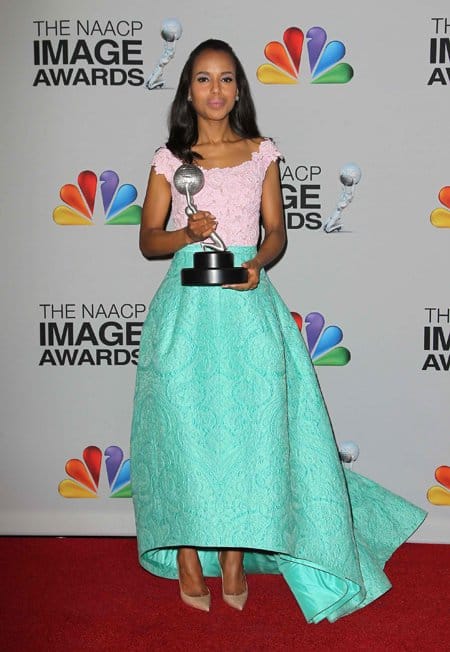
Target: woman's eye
{"x":202,"y":79}
{"x":227,"y":79}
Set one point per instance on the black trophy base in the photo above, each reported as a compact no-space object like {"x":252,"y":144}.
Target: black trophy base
{"x":213,"y":268}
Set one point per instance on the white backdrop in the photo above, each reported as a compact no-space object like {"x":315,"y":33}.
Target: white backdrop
{"x":73,"y":296}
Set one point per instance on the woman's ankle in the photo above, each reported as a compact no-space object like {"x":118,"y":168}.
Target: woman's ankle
{"x":231,"y":558}
{"x":190,"y":570}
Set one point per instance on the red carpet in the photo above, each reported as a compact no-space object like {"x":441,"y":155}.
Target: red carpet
{"x":90,"y":594}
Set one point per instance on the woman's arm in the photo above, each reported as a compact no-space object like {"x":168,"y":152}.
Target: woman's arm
{"x":154,"y":240}
{"x":274,"y":229}
{"x":273,"y":218}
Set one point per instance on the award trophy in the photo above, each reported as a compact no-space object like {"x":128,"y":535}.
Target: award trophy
{"x":171,"y":31}
{"x":348,"y":452}
{"x":350,"y":175}
{"x":214,"y":267}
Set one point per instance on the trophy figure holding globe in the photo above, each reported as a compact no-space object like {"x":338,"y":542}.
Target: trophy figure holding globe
{"x":171,"y":31}
{"x":350,"y":176}
{"x":214,"y":267}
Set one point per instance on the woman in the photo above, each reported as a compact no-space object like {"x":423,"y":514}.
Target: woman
{"x":232,"y":449}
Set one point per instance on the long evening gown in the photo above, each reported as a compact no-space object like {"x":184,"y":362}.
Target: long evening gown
{"x":231,"y":441}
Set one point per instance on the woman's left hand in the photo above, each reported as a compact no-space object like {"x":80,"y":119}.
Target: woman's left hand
{"x":254,"y":269}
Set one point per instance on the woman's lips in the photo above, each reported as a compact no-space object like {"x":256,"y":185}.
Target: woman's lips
{"x":216,"y":104}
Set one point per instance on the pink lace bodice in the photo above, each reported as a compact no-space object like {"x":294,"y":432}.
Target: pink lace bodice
{"x":231,"y":194}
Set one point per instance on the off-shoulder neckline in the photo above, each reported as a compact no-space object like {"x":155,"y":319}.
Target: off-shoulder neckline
{"x":264,"y":141}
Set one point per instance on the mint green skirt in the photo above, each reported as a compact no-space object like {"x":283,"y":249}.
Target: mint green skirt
{"x":232,"y":447}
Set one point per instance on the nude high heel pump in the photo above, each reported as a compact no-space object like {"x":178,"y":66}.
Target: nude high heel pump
{"x":235,"y":600}
{"x":202,"y":602}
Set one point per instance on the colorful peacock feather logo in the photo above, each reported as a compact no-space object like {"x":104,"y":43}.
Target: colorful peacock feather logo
{"x":285,"y":58}
{"x":440,"y":217}
{"x":323,"y":340}
{"x":85,"y":474}
{"x":440,"y":494}
{"x":117,"y":200}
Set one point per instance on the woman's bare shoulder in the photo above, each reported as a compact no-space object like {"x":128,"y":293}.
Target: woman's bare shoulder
{"x":254,"y":144}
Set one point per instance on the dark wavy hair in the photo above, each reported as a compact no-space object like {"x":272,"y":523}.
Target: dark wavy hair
{"x":183,"y":130}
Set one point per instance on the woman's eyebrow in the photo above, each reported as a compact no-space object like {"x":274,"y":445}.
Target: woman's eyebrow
{"x":205,"y":72}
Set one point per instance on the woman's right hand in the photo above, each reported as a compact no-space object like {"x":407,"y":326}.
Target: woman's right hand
{"x":200,"y":226}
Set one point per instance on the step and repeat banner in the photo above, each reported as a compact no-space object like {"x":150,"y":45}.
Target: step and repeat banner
{"x":357,"y":99}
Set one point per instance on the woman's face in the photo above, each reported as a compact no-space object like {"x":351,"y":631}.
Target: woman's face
{"x":213,"y":87}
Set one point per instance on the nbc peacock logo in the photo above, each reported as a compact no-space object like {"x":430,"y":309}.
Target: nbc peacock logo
{"x":324,"y":59}
{"x":322,"y":341}
{"x":440,"y":217}
{"x":80,"y":200}
{"x":440,"y":494}
{"x":84,"y":475}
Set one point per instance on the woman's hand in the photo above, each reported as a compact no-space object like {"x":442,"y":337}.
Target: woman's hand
{"x":200,"y":226}
{"x":254,"y":268}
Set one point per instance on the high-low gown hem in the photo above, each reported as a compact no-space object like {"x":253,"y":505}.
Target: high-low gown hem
{"x":232,"y":447}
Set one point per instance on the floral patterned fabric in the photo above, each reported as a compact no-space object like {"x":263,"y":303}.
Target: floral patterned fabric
{"x":231,"y":194}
